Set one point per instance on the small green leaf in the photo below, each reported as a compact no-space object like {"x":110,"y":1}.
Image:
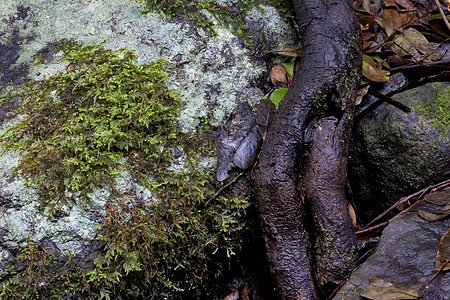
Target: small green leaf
{"x":289,"y":64}
{"x":277,"y":96}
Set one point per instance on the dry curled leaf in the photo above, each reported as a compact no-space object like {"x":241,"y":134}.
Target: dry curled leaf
{"x":437,"y":206}
{"x":393,"y":20}
{"x":432,"y":216}
{"x":234,"y":295}
{"x":278,"y":75}
{"x":412,"y":42}
{"x":406,"y":5}
{"x":372,"y":71}
{"x":362,"y":91}
{"x":352,"y":214}
{"x":383,"y":290}
{"x":238,"y":142}
{"x":443,"y":253}
{"x":264,"y":110}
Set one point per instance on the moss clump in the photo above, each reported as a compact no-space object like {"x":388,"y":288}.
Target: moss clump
{"x":437,"y":109}
{"x":35,"y":276}
{"x":103,"y":116}
{"x":77,"y":126}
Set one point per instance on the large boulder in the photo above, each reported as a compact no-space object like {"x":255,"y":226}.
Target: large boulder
{"x":394,"y":153}
{"x":211,"y":69}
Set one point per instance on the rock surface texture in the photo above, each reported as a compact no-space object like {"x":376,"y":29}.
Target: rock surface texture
{"x":394,"y":154}
{"x":405,"y":256}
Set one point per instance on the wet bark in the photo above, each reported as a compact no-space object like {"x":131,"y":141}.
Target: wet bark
{"x":301,"y":171}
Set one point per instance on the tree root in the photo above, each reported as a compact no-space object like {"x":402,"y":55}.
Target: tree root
{"x":314,"y":119}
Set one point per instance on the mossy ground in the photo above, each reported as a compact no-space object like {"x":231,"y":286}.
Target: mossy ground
{"x":82,"y":128}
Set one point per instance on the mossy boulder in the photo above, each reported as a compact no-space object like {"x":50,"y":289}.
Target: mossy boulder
{"x":98,"y":208}
{"x":395,"y":154}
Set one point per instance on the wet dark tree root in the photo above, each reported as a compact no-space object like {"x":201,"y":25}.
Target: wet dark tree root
{"x":301,"y":171}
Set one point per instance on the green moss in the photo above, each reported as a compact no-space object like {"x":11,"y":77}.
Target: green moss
{"x":35,"y":276}
{"x":76,"y":126}
{"x":351,"y":293}
{"x":437,"y":109}
{"x":319,"y":101}
{"x":105,"y":116}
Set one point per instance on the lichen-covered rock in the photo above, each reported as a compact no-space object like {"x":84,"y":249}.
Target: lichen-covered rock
{"x":211,"y":73}
{"x":21,"y":221}
{"x":406,"y":257}
{"x":394,"y":153}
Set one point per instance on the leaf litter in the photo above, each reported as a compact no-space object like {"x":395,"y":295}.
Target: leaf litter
{"x":383,"y":290}
{"x":443,"y":253}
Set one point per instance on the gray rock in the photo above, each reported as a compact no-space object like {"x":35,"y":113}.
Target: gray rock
{"x":405,"y":256}
{"x":394,"y":154}
{"x":211,"y":73}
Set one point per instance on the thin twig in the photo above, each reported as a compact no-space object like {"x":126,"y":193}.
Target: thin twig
{"x":391,"y":101}
{"x":421,"y":65}
{"x":224,"y":187}
{"x":421,"y":193}
{"x":441,"y":11}
{"x":441,"y":269}
{"x":399,"y":202}
{"x":440,"y":186}
{"x":412,"y":56}
{"x":336,"y":290}
{"x":388,"y":221}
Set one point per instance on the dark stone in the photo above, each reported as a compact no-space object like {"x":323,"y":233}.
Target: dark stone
{"x":394,"y":154}
{"x":405,"y":256}
{"x":9,"y":52}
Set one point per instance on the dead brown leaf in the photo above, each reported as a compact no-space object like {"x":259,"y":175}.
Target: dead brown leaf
{"x":372,"y":71}
{"x":234,"y":295}
{"x":383,"y":290}
{"x":406,"y":4}
{"x":263,"y":111}
{"x":393,"y":20}
{"x":389,"y":3}
{"x":279,"y":74}
{"x":431,"y":217}
{"x":362,"y":91}
{"x":412,"y":42}
{"x":367,"y":35}
{"x":443,"y":254}
{"x":440,"y":198}
{"x":367,"y":44}
{"x":352,"y":214}
{"x":438,"y":206}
